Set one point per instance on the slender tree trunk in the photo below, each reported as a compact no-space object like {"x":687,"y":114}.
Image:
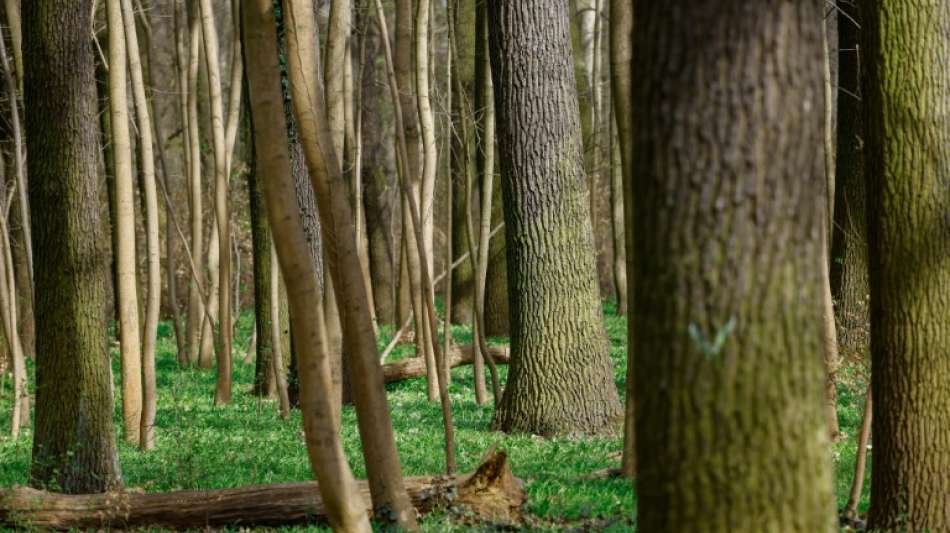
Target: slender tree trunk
{"x":713,"y":410}
{"x":265,"y":377}
{"x":376,"y":432}
{"x":150,"y":196}
{"x":621,"y":55}
{"x":324,"y":446}
{"x":196,"y":309}
{"x":497,"y":319}
{"x":860,"y":462}
{"x":222,"y":392}
{"x":463,"y":74}
{"x":905,"y":96}
{"x":559,"y":380}
{"x":831,"y":337}
{"x":74,"y":440}
{"x":277,"y":358}
{"x":129,"y":341}
{"x":12,"y":8}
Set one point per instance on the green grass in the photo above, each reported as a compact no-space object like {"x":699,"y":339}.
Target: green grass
{"x":200,"y":446}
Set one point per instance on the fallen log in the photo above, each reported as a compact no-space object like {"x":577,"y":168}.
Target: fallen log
{"x":491,"y":493}
{"x":415,"y":367}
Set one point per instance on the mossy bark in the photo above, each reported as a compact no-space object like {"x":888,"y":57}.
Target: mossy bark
{"x":74,"y":440}
{"x":265,"y":383}
{"x":906,"y":94}
{"x":728,"y":205}
{"x":560,"y":379}
{"x":497,"y":320}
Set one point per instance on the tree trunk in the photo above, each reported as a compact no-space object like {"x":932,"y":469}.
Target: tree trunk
{"x":402,"y":62}
{"x":324,"y":446}
{"x":728,"y":206}
{"x":377,"y":170}
{"x":463,"y":75}
{"x":621,"y":54}
{"x":860,"y":462}
{"x":150,"y":199}
{"x":415,"y":367}
{"x":129,"y":341}
{"x":196,"y":308}
{"x":497,"y":321}
{"x":265,"y":383}
{"x":490,"y":494}
{"x":905,"y":96}
{"x":560,"y":380}
{"x":359,"y":339}
{"x":849,"y":264}
{"x":74,"y":439}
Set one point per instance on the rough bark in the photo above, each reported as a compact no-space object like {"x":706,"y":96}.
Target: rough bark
{"x":560,"y":379}
{"x":849,"y":260}
{"x":74,"y":439}
{"x":491,"y":493}
{"x":906,"y":92}
{"x":728,"y":205}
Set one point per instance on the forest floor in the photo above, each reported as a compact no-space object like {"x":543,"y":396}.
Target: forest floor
{"x":200,"y":446}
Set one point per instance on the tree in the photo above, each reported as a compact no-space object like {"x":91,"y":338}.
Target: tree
{"x":74,"y":440}
{"x":337,"y":486}
{"x":906,"y":92}
{"x":728,"y":206}
{"x":222,"y":392}
{"x":849,"y":263}
{"x":560,"y":380}
{"x":359,"y":340}
{"x":621,"y":37}
{"x":130,"y":346}
{"x":150,"y":199}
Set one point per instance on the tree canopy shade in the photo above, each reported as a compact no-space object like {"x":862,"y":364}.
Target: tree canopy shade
{"x":906,"y":91}
{"x":74,"y":440}
{"x":728,"y":203}
{"x":560,"y":380}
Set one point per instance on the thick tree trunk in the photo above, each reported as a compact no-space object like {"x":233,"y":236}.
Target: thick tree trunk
{"x":740,"y":374}
{"x":560,"y":380}
{"x":491,"y":493}
{"x":74,"y":439}
{"x":849,"y":264}
{"x":906,"y":94}
{"x":377,"y":178}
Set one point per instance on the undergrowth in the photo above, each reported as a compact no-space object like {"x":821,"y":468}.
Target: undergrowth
{"x":200,"y":446}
